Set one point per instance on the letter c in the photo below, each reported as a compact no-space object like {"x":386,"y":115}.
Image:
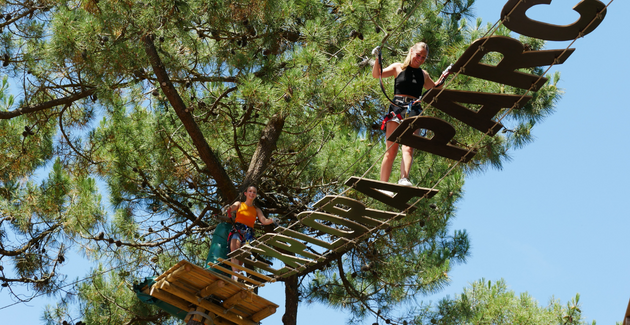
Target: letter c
{"x":514,"y":17}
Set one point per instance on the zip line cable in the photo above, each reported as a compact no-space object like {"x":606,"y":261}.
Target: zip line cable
{"x":70,"y":284}
{"x":367,"y":171}
{"x":360,"y":238}
{"x":341,"y":91}
{"x":490,"y":32}
{"x":317,"y":119}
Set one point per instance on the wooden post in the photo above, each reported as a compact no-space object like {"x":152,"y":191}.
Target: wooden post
{"x":212,"y":288}
{"x":178,"y":273}
{"x":267,"y":311}
{"x":234,"y":300}
{"x":197,"y":319}
{"x":169,"y":298}
{"x":210,"y":319}
{"x":189,"y":316}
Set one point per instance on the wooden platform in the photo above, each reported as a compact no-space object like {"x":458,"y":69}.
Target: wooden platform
{"x":190,"y":287}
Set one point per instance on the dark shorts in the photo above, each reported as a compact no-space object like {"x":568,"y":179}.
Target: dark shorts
{"x":242,"y":232}
{"x":397,"y":114}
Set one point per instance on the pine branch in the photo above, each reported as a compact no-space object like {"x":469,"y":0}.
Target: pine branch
{"x":30,"y":243}
{"x":46,"y":105}
{"x":157,"y":318}
{"x":216,"y":170}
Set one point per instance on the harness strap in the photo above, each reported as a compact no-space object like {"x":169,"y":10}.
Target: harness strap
{"x":380,"y":78}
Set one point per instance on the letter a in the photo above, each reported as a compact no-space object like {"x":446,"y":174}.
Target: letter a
{"x":402,"y":195}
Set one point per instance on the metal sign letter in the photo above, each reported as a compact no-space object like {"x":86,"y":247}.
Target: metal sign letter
{"x":439,"y":144}
{"x":481,"y":120}
{"x":402,"y":194}
{"x":514,"y":57}
{"x":592,"y":13}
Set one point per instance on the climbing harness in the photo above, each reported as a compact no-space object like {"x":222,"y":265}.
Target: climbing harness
{"x":242,"y":231}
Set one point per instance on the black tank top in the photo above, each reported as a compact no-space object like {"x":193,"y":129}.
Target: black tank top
{"x":409,"y":82}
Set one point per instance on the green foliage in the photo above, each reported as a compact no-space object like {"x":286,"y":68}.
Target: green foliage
{"x":107,"y":298}
{"x":493,"y":303}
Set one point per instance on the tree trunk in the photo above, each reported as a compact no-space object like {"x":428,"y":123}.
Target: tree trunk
{"x":224,"y":183}
{"x":291,"y":300}
{"x":266,"y":146}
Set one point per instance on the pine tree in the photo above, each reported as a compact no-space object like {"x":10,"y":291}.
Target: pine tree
{"x":492,"y":303}
{"x":170,"y":108}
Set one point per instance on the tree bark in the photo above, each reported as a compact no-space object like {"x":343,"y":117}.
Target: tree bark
{"x":46,"y":105}
{"x":266,"y":146}
{"x":216,"y":170}
{"x":291,"y":300}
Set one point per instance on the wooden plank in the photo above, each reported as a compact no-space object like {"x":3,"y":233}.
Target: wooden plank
{"x":178,"y":273}
{"x":193,"y":286}
{"x":191,"y":272}
{"x":216,"y":320}
{"x":172,"y":269}
{"x":159,"y":284}
{"x":235,"y":299}
{"x":264,"y":313}
{"x":203,"y":277}
{"x":169,"y":298}
{"x":229,"y":289}
{"x":248,"y":270}
{"x":222,"y":312}
{"x":238,"y":275}
{"x":210,"y":289}
{"x":256,"y":303}
{"x":196,"y":278}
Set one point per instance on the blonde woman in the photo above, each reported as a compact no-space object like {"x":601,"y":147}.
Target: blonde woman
{"x":410,"y":79}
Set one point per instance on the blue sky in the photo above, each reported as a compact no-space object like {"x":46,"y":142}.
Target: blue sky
{"x":553,"y":222}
